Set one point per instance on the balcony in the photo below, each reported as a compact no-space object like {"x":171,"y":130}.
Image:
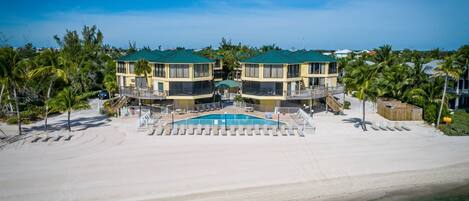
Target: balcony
{"x":320,"y":92}
{"x":142,"y":93}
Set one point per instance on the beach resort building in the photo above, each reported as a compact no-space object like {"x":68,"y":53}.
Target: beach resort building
{"x":178,"y":77}
{"x":282,"y":78}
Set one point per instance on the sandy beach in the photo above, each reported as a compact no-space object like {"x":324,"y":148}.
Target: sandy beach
{"x":107,"y":159}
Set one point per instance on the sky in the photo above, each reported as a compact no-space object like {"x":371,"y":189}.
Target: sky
{"x":319,"y":24}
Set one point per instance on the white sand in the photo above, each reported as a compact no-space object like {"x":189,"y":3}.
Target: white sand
{"x":115,"y":162}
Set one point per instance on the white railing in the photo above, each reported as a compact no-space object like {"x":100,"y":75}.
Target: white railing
{"x":145,"y":119}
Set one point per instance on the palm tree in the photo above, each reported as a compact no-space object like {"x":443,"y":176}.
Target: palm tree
{"x":141,"y":67}
{"x":67,"y":101}
{"x":360,"y":79}
{"x":448,"y":70}
{"x":12,"y":73}
{"x":52,"y":70}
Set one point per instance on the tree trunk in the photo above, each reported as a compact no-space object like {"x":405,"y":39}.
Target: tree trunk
{"x":68,"y":121}
{"x":442,"y":102}
{"x":17,"y":111}
{"x":1,"y":94}
{"x":363,"y":117}
{"x":47,"y":106}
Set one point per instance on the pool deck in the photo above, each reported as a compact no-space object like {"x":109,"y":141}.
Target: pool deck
{"x":284,"y":118}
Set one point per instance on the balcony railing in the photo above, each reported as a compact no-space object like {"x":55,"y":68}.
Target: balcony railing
{"x":313,"y":93}
{"x":146,"y":93}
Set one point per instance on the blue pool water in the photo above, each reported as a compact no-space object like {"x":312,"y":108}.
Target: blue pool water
{"x":231,"y":119}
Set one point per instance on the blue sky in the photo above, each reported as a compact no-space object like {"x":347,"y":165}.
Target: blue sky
{"x":334,"y":24}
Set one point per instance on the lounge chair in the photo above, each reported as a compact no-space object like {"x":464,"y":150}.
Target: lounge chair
{"x":290,"y":131}
{"x":56,"y":139}
{"x":214,"y":131}
{"x":167,"y":130}
{"x":218,"y":106}
{"x":223,"y":131}
{"x":283,"y":130}
{"x":301,"y":132}
{"x":68,"y":138}
{"x":256,"y":130}
{"x":174,"y":130}
{"x":36,"y":139}
{"x":389,"y":126}
{"x":150,"y":131}
{"x":264,"y":130}
{"x":374,"y":126}
{"x":159,"y":130}
{"x":190,"y":130}
{"x":233,"y":131}
{"x":397,"y":126}
{"x":198,"y":130}
{"x":46,"y":139}
{"x":207,"y":130}
{"x":248,"y":130}
{"x":240,"y":130}
{"x":182,"y":129}
{"x":211,"y":106}
{"x":405,"y":127}
{"x":382,"y":126}
{"x":273,"y":131}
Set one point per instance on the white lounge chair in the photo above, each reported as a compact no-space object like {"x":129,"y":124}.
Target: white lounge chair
{"x":214,"y":130}
{"x":223,"y":131}
{"x":283,"y":130}
{"x":150,"y":131}
{"x":290,"y":131}
{"x":232,"y":131}
{"x":174,"y":130}
{"x":198,"y":130}
{"x":256,"y":130}
{"x":167,"y":130}
{"x":405,"y":127}
{"x":159,"y":130}
{"x":248,"y":130}
{"x":375,"y":126}
{"x":240,"y":130}
{"x":207,"y":130}
{"x":382,"y":126}
{"x":190,"y":130}
{"x":182,"y":130}
{"x":397,"y":126}
{"x":389,"y":126}
{"x":273,"y":131}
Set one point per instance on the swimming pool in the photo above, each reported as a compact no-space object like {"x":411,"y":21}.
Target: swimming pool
{"x":231,"y":119}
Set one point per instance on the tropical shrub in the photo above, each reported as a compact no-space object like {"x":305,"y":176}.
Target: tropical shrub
{"x":347,"y":105}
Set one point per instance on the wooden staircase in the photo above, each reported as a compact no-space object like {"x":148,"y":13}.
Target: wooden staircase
{"x":333,"y":104}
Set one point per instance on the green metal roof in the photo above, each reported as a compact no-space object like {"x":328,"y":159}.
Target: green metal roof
{"x":273,"y":57}
{"x":289,"y":57}
{"x":227,"y":84}
{"x":166,"y":56}
{"x":312,"y":56}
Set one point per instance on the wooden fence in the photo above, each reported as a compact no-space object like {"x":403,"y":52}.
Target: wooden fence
{"x":395,"y":110}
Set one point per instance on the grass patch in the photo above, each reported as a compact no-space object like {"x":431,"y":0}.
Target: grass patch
{"x":460,"y":125}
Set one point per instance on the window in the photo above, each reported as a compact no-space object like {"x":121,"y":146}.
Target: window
{"x":179,"y":70}
{"x":121,"y":67}
{"x":217,"y":63}
{"x":316,"y":68}
{"x":332,"y":68}
{"x":252,"y":70}
{"x":293,"y":70}
{"x":218,"y":74}
{"x":190,"y":88}
{"x":158,"y":70}
{"x":141,"y":82}
{"x":201,"y":70}
{"x":263,"y":88}
{"x":273,"y":71}
{"x":131,"y":68}
{"x":316,"y":82}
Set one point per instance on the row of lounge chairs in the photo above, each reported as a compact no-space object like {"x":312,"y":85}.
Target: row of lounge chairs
{"x":240,"y":130}
{"x":389,"y":126}
{"x":51,"y":139}
{"x":205,"y":107}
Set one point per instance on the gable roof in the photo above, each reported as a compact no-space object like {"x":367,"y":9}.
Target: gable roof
{"x":166,"y":56}
{"x":289,"y":57}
